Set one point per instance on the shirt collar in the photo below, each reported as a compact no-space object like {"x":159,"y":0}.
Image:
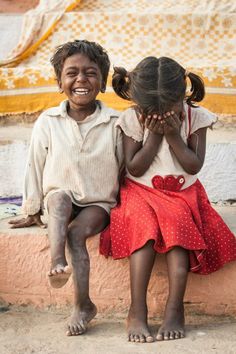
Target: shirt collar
{"x":105,"y":115}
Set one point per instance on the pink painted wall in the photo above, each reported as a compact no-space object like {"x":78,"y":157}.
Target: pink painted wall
{"x":25,"y":260}
{"x":16,"y":6}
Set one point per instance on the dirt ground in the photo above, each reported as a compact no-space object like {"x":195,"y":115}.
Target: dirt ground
{"x":30,"y":331}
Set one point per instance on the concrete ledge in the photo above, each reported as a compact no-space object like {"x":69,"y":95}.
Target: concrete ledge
{"x":25,"y":260}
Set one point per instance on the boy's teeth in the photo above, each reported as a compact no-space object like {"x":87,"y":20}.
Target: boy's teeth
{"x":81,"y":91}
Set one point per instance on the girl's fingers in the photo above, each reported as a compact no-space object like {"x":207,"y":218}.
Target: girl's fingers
{"x":148,"y":121}
{"x":172,"y":119}
{"x":141,"y":119}
{"x":154,"y":121}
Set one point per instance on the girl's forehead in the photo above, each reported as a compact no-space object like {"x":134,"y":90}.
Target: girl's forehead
{"x":177,"y":107}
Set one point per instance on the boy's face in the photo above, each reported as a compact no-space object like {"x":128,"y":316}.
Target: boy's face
{"x":81,"y":80}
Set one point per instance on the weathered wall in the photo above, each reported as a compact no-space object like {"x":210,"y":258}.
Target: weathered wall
{"x":25,"y":261}
{"x":217,"y":175}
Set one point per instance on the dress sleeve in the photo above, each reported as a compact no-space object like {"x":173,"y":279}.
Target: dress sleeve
{"x":33,"y":181}
{"x":129,"y":124}
{"x":201,"y":118}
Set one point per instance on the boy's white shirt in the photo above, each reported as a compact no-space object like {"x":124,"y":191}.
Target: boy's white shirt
{"x":165,"y":162}
{"x":86,"y":166}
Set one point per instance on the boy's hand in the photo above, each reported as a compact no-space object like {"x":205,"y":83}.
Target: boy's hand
{"x":154,"y":124}
{"x":171,"y":123}
{"x":30,"y":220}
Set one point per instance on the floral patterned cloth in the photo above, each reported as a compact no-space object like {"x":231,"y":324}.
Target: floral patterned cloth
{"x":201,"y":35}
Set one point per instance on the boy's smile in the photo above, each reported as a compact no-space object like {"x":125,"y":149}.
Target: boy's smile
{"x":81,"y":80}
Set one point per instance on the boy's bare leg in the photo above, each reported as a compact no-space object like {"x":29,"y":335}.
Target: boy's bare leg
{"x":90,"y":221}
{"x":141,"y":264}
{"x":178,"y":266}
{"x":60,"y":209}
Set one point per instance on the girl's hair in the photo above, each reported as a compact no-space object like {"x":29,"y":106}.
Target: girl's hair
{"x":92,"y":50}
{"x":156,"y":84}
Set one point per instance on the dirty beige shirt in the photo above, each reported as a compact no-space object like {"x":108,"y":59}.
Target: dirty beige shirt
{"x":165,"y":162}
{"x":85,"y":166}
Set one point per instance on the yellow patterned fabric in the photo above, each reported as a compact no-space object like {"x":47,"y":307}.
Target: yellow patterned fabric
{"x":201,"y":35}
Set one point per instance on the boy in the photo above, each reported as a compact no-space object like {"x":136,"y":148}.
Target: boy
{"x":73,"y":167}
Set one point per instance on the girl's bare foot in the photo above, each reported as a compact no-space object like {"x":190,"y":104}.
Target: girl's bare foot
{"x":137,"y":327}
{"x":173,"y":324}
{"x":59,"y":275}
{"x":80,"y":318}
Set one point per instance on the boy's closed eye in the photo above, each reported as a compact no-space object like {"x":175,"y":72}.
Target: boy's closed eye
{"x":91,"y":73}
{"x":71,"y":73}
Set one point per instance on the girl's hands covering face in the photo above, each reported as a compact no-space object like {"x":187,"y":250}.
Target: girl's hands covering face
{"x":168,"y":123}
{"x":154,"y":124}
{"x":171,"y":122}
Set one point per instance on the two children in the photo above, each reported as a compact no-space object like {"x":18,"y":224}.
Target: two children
{"x":163,"y":206}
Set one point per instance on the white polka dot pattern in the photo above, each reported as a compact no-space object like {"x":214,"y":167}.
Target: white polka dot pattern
{"x":184,"y":219}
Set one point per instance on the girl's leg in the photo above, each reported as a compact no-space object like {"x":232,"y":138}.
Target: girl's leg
{"x":178,"y":267}
{"x":141,"y":264}
{"x":60,"y":209}
{"x":90,"y":221}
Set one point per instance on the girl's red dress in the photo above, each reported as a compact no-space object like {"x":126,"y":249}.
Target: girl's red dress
{"x":182,"y":218}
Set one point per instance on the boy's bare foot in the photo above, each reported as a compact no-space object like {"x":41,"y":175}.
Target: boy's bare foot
{"x":138,"y":329}
{"x":173,"y":324}
{"x":80,"y":318}
{"x":59,"y":275}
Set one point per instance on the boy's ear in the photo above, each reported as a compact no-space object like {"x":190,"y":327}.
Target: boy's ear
{"x":60,"y":88}
{"x":103,"y":88}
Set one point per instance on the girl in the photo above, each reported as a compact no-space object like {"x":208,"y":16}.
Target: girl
{"x":163,"y":206}
{"x":67,"y":173}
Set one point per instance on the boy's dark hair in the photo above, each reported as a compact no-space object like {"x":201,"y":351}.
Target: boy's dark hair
{"x":92,"y":50}
{"x":156,"y":84}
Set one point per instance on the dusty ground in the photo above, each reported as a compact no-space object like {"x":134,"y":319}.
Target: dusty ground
{"x":28,"y":331}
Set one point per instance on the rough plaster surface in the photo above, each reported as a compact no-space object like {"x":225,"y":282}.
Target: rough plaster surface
{"x":217,"y":175}
{"x":25,"y":260}
{"x":219,"y":171}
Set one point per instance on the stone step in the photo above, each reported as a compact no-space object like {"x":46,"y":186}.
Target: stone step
{"x":25,"y":260}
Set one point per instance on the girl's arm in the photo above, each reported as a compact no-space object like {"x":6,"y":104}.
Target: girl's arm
{"x":191,"y":156}
{"x":139,"y":156}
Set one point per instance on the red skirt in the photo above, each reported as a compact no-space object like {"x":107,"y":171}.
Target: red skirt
{"x":185,"y":219}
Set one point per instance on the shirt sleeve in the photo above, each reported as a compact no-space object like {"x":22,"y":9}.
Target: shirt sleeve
{"x":33,"y":181}
{"x":129,"y":124}
{"x":201,"y":118}
{"x":119,"y":149}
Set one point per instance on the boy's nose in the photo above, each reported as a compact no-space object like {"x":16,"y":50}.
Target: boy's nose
{"x":81,"y":77}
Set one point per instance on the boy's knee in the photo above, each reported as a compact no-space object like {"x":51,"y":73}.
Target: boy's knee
{"x":59,"y":201}
{"x":78,"y":236}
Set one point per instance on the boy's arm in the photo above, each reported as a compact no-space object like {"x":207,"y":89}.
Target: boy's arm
{"x":33,"y":181}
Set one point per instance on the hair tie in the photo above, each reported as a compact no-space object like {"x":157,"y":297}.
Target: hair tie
{"x":186,"y":73}
{"x":127,"y":77}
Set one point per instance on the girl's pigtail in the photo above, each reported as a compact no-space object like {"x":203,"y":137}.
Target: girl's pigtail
{"x":121,"y":83}
{"x":197,"y":89}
